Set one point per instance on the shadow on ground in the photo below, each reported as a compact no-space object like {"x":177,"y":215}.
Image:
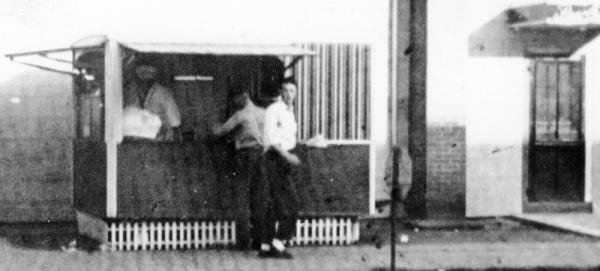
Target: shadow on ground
{"x":488,"y":230}
{"x":46,"y":236}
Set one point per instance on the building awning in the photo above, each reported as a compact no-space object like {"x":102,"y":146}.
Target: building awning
{"x":217,"y":49}
{"x":45,"y":59}
{"x":55,"y":60}
{"x":555,"y":17}
{"x":162,"y":46}
{"x":548,"y":25}
{"x":58,"y":59}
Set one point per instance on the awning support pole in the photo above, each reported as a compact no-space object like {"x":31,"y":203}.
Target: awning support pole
{"x":44,"y":68}
{"x":113,"y":101}
{"x":39,"y":52}
{"x":48,"y":51}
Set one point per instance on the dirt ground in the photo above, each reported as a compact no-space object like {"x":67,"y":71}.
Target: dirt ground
{"x":490,"y":244}
{"x":489,"y":230}
{"x":51,"y":236}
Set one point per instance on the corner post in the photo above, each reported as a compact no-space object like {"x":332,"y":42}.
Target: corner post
{"x":113,"y":109}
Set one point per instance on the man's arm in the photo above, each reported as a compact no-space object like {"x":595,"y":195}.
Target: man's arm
{"x":228,"y":126}
{"x":288,"y":156}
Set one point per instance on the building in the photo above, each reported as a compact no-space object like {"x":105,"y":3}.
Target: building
{"x":342,"y":110}
{"x":511,"y":113}
{"x":467,"y":136}
{"x":544,"y":159}
{"x":466,"y":154}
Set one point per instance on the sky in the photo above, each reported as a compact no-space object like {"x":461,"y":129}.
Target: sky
{"x":41,"y":24}
{"x":32,"y":22}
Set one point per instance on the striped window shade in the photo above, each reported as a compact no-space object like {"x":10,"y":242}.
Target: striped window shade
{"x":334,"y":92}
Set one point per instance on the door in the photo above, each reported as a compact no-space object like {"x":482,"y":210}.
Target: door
{"x":557,"y":144}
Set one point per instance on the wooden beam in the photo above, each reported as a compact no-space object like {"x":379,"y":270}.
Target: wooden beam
{"x":113,"y":109}
{"x":47,"y":51}
{"x":38,"y":52}
{"x":417,"y":120}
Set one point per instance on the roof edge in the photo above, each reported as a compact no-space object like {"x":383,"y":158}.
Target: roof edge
{"x":90,"y":41}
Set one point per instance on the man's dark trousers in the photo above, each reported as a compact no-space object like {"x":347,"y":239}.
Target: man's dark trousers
{"x":275,"y":199}
{"x":247,"y":170}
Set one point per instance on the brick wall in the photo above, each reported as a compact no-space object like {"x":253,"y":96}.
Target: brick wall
{"x":445,"y":171}
{"x":36,"y":119}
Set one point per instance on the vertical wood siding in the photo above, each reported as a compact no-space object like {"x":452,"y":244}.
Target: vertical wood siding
{"x":334,"y":92}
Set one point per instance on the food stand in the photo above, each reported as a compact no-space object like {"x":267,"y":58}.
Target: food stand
{"x":149,"y":195}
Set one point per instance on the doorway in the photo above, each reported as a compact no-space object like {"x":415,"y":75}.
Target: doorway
{"x":557,"y":142}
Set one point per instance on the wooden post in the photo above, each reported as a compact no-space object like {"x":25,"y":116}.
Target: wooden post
{"x":417,"y":113}
{"x":113,"y":108}
{"x":393,"y":211}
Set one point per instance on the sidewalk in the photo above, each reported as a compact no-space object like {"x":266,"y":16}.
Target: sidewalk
{"x":583,"y":223}
{"x":513,"y":246}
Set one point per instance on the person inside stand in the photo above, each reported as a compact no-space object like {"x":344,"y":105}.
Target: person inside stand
{"x":277,"y":200}
{"x":145,"y":93}
{"x":246,"y":125}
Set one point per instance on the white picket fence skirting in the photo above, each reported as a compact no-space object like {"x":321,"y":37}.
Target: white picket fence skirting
{"x":326,"y":231}
{"x":186,"y":235}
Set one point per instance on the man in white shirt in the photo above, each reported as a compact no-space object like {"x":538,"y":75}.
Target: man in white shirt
{"x":247,"y":125}
{"x":145,"y":93}
{"x":276,"y":195}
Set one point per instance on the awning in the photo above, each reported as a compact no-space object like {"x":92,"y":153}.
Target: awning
{"x":55,"y":60}
{"x":542,"y":25}
{"x":548,"y":17}
{"x":85,"y":43}
{"x":217,"y":49}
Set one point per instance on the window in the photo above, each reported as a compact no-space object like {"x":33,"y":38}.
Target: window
{"x":200,"y":104}
{"x":334,"y":92}
{"x":558,"y":100}
{"x":89,"y":109}
{"x":89,"y":94}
